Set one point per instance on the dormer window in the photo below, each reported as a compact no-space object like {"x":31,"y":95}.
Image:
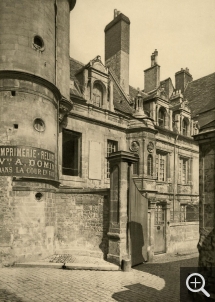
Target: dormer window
{"x":97,"y":95}
{"x":161,"y":117}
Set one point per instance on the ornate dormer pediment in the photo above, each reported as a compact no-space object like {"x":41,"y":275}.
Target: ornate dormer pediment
{"x":97,"y":64}
{"x":161,"y":93}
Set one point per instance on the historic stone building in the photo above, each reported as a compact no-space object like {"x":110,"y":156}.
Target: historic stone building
{"x":89,"y":164}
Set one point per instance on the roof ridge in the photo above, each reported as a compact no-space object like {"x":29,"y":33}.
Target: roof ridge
{"x":203,"y":77}
{"x":77,"y":61}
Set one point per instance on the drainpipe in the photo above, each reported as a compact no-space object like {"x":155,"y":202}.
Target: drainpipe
{"x":129,"y":212}
{"x":55,"y":8}
{"x":174,"y":177}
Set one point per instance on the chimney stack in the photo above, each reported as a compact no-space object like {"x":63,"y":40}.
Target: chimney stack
{"x":117,"y":42}
{"x":152,"y":74}
{"x":182,"y":78}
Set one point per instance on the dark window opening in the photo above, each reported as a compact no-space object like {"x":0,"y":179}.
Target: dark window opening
{"x":71,"y":153}
{"x":150,"y":165}
{"x":13,"y":93}
{"x":38,"y":196}
{"x":38,"y":41}
{"x":15,"y":126}
{"x":112,"y":146}
{"x":39,"y":125}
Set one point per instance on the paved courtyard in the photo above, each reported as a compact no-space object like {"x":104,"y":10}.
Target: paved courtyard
{"x":146,"y":282}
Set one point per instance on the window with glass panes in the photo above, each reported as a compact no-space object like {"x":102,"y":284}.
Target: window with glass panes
{"x":161,"y":117}
{"x":112,"y":146}
{"x":97,"y":95}
{"x":183,"y":170}
{"x":150,"y":165}
{"x":161,"y":166}
{"x":184,"y":127}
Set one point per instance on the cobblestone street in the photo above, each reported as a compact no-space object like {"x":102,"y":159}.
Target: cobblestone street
{"x":146,"y":282}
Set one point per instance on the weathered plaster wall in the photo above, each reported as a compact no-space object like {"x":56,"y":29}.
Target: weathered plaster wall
{"x":183,"y":237}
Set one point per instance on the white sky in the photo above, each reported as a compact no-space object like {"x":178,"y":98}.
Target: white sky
{"x":183,"y":32}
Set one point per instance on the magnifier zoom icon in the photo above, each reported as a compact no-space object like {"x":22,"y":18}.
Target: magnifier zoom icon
{"x":195,"y":283}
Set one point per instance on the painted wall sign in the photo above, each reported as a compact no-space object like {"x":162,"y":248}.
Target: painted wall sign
{"x":27,"y":162}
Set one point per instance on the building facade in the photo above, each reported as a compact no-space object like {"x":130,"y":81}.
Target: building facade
{"x":93,"y":166}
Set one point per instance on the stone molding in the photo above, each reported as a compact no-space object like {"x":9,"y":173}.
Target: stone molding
{"x":20,"y":75}
{"x":64,"y":108}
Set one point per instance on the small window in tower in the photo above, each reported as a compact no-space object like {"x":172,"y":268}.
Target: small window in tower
{"x":39,"y":125}
{"x":38,"y":43}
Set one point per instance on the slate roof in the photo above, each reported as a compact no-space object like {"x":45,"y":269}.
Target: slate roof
{"x":133,"y":92}
{"x":74,"y":67}
{"x":201,"y":94}
{"x":120,"y":103}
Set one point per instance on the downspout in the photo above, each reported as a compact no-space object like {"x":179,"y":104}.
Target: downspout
{"x":129,"y":212}
{"x":174,"y":177}
{"x":55,"y":8}
{"x":55,"y":82}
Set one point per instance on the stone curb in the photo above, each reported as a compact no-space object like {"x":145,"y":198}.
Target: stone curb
{"x":71,"y":266}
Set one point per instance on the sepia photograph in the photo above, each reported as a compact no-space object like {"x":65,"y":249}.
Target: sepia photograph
{"x":107,"y":150}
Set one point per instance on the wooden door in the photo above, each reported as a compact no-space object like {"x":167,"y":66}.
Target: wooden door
{"x":159,"y":230}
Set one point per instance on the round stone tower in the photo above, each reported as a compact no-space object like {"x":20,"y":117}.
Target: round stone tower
{"x":34,"y":86}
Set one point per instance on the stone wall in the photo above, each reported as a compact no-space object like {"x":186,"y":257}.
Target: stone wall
{"x":27,"y":216}
{"x":183,"y":237}
{"x":6,"y":218}
{"x":82,"y":223}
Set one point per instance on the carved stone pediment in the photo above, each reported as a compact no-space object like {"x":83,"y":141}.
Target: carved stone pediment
{"x":97,"y":64}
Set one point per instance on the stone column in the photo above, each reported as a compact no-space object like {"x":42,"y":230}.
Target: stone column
{"x":154,"y":111}
{"x":157,"y":114}
{"x":170,"y":120}
{"x":142,"y":152}
{"x":181,"y":118}
{"x":167,"y":226}
{"x":151,"y":220}
{"x":111,"y":108}
{"x":120,"y":163}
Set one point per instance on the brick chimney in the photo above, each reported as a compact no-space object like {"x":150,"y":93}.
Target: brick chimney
{"x":152,"y":74}
{"x":182,"y":78}
{"x":117,"y":40}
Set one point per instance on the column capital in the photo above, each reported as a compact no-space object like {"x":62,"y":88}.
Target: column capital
{"x":123,"y":156}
